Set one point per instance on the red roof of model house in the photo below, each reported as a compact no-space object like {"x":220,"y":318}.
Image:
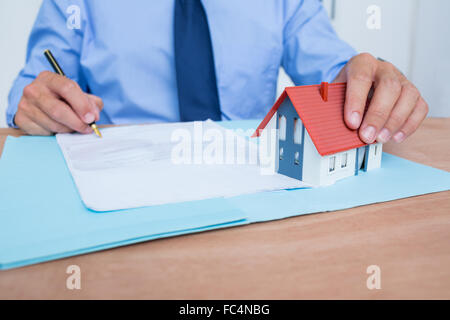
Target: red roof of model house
{"x":322,"y":114}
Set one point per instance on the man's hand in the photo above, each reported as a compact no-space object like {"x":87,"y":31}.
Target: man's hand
{"x":396,"y":109}
{"x":55,"y":104}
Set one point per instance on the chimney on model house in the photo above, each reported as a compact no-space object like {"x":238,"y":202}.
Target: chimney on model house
{"x":324,"y":91}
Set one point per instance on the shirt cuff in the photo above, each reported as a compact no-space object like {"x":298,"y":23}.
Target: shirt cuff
{"x":14,"y":97}
{"x":10,"y":119}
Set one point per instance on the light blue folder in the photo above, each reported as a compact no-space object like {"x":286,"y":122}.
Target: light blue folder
{"x":42,"y":217}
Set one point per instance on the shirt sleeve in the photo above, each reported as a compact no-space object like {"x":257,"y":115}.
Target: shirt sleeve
{"x":312,"y":50}
{"x":55,"y":28}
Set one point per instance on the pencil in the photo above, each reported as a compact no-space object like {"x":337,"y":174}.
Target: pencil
{"x":56,"y":67}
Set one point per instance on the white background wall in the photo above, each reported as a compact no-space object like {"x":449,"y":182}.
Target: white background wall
{"x":414,"y":35}
{"x":16,"y":19}
{"x":430,"y":59}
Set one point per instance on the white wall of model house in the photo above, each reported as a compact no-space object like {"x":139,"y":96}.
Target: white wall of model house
{"x":332,"y":167}
{"x":321,"y":170}
{"x":374,"y":156}
{"x":326,"y":170}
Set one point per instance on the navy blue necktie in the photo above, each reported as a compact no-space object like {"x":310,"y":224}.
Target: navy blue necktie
{"x":194,"y":62}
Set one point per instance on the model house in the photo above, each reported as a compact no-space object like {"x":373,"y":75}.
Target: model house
{"x":313,"y":143}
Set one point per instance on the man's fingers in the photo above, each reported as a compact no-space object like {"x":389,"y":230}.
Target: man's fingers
{"x":29,"y":126}
{"x":71,"y":92}
{"x":402,"y":110}
{"x":32,"y":112}
{"x":413,"y":122}
{"x":395,"y":108}
{"x":360,"y":74}
{"x":387,"y":92}
{"x":34,"y":129}
{"x":45,"y":122}
{"x":61,"y":113}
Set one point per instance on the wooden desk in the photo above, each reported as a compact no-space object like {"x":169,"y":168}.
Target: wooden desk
{"x":315,"y":256}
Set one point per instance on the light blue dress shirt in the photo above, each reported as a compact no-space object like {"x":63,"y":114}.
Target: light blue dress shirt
{"x":123,"y":52}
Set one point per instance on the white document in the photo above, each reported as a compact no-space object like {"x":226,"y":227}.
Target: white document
{"x":148,"y":165}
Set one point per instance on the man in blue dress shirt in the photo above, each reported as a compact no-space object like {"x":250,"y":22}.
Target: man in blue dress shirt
{"x":122,"y":57}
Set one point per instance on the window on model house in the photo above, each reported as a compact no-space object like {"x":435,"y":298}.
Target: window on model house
{"x":297,"y":158}
{"x":281,"y":153}
{"x":332,"y":165}
{"x":282,"y":126}
{"x":344,"y":160}
{"x":297,"y":131}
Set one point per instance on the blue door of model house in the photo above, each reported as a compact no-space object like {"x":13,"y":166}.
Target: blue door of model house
{"x":291,"y":137}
